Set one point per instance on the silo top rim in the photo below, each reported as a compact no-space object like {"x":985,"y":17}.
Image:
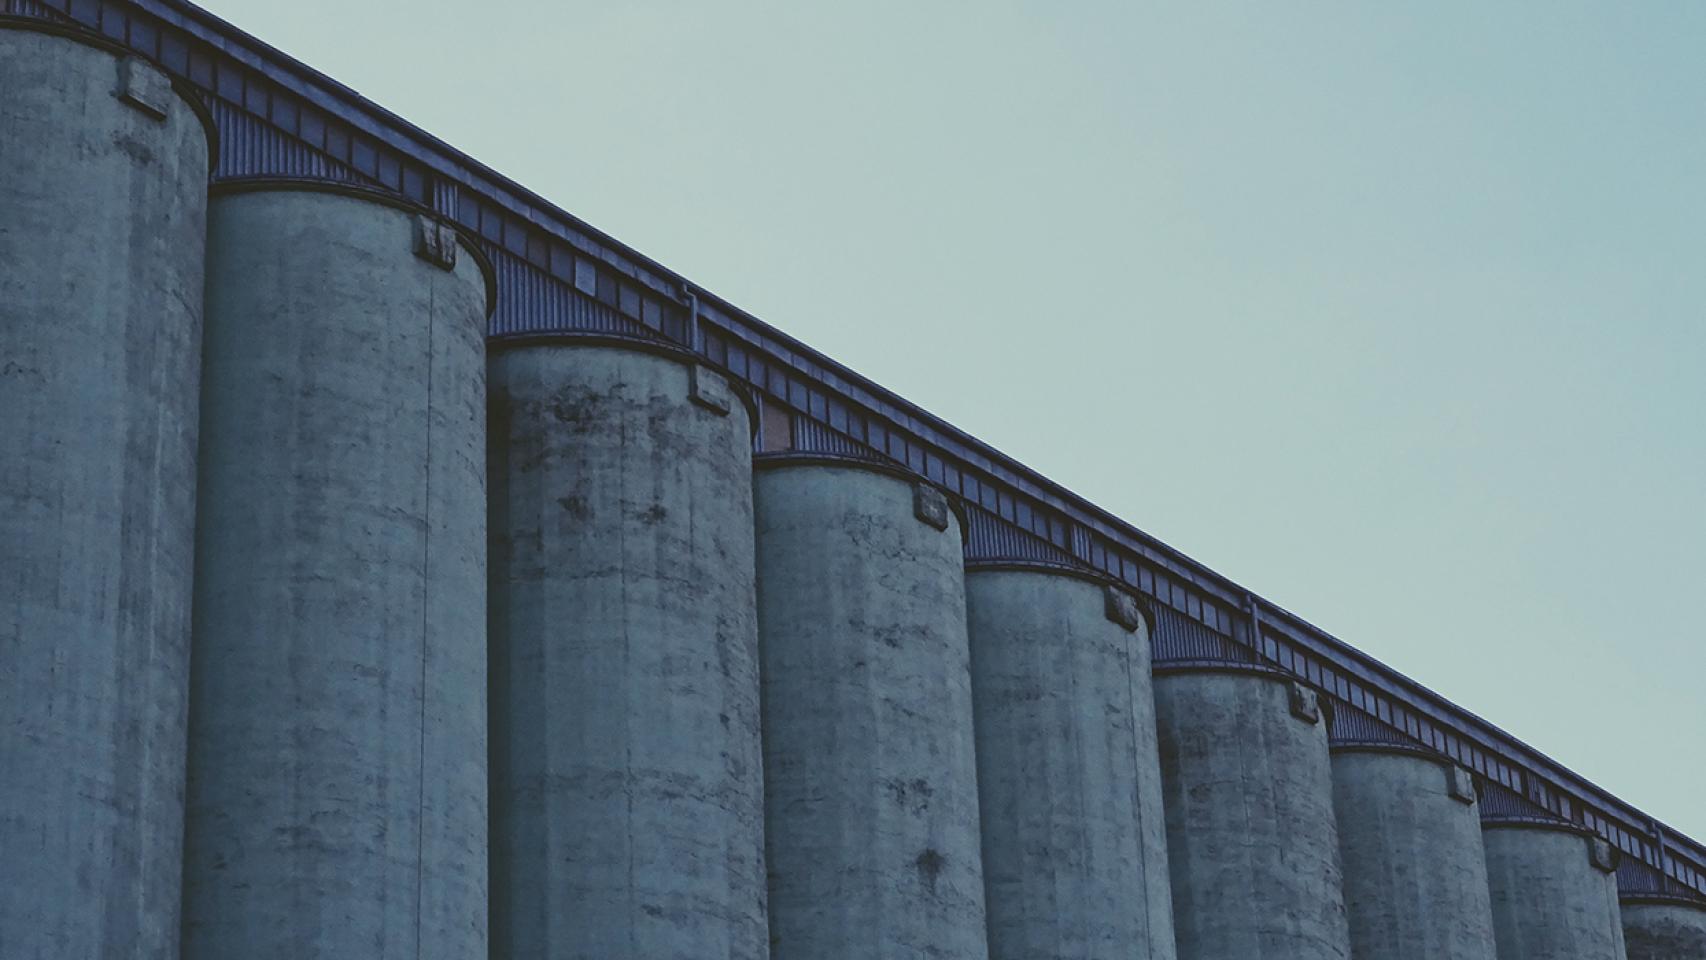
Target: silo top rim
{"x":1203,"y":665}
{"x":239,"y":185}
{"x":779,"y":459}
{"x":1389,"y":748}
{"x":1663,"y":900}
{"x":1514,"y":821}
{"x":782,"y":459}
{"x":655,"y":345}
{"x":89,"y":38}
{"x":1049,"y":568}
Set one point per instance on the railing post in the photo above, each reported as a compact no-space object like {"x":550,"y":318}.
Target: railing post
{"x":1255,"y":606}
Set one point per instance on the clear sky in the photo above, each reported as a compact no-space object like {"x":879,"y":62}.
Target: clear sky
{"x":1396,"y":313}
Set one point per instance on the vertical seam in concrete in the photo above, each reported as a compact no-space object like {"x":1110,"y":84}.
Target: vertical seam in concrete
{"x":627,"y":672}
{"x":128,"y":780}
{"x":1068,"y":654}
{"x":1246,"y":799}
{"x":1137,"y":787}
{"x":426,"y":592}
{"x":161,"y":387}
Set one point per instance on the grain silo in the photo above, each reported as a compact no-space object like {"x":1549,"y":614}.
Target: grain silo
{"x":103,"y":191}
{"x":337,"y":759}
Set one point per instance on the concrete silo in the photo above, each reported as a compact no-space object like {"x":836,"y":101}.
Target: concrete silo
{"x":337,"y":771}
{"x":103,"y":198}
{"x":871,"y":811}
{"x":1415,"y":875}
{"x":1251,"y":838}
{"x":1554,"y":893}
{"x":1074,"y":839}
{"x":1664,"y":927}
{"x":627,"y":798}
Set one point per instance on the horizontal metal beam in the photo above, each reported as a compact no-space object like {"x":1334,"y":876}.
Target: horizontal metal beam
{"x":278,"y":117}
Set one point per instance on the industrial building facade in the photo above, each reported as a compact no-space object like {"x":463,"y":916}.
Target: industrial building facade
{"x":393,"y":566}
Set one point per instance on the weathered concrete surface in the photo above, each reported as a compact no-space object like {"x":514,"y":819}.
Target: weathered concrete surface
{"x":870,"y":781}
{"x":1069,"y":782}
{"x":1549,"y":900}
{"x":627,"y":790}
{"x":1251,"y":838}
{"x":1663,"y":930}
{"x":102,"y":211}
{"x":337,"y":777}
{"x":1415,"y":873}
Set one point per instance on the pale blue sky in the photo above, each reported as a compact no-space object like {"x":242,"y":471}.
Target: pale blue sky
{"x":1394,"y":312}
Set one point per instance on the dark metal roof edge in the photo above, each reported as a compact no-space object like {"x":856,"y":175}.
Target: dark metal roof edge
{"x":388,"y":127}
{"x":350,"y":104}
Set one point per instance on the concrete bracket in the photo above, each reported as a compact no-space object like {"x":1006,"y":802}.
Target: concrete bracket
{"x":1305,"y":705}
{"x":930,"y":506}
{"x":1121,"y":608}
{"x":708,"y":389}
{"x":1460,"y":783}
{"x":143,"y":87}
{"x":435,"y":242}
{"x":1602,"y":854}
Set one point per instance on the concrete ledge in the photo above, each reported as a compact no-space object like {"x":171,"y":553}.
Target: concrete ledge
{"x":709,"y":389}
{"x":1460,"y":783}
{"x":435,"y":242}
{"x":1122,"y":608}
{"x":144,"y":87}
{"x":1305,"y":705}
{"x":1603,"y":855}
{"x":930,"y":505}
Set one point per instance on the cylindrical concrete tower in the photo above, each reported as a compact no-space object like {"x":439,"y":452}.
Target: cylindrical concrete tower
{"x":1415,"y":874}
{"x":103,"y":200}
{"x":1553,"y":892}
{"x":1251,"y":837}
{"x":337,"y":775}
{"x":1664,"y":928}
{"x":871,"y":806}
{"x":1069,"y":782}
{"x":627,"y":791}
